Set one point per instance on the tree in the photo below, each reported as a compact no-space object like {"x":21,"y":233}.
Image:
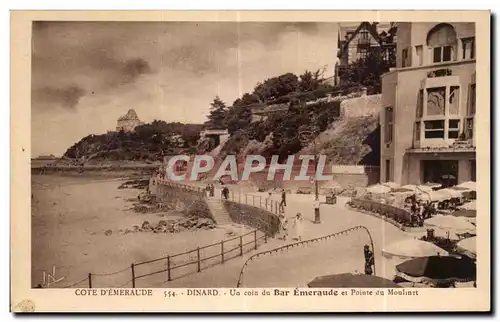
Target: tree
{"x":367,"y":71}
{"x":275,"y":87}
{"x":310,"y":81}
{"x":217,"y":119}
{"x":239,"y":116}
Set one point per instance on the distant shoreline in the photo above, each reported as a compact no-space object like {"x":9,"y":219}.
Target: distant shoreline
{"x":115,"y":171}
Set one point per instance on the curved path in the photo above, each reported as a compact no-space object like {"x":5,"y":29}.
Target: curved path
{"x":297,"y":266}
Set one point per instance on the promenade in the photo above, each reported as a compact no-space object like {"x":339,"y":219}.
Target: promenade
{"x":298,"y":265}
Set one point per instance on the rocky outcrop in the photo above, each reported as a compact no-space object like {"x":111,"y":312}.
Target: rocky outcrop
{"x":171,"y":226}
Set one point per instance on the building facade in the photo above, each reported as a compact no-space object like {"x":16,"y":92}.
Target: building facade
{"x":356,"y":41}
{"x":428,"y":106}
{"x":128,"y":122}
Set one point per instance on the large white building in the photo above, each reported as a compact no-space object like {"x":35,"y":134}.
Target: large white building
{"x":429,"y":104}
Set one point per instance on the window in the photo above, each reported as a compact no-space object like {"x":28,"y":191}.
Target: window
{"x":453,"y":129}
{"x":417,"y":131}
{"x":468,"y":48}
{"x":434,"y":129}
{"x":364,"y":37}
{"x":389,"y":124}
{"x":387,"y":170}
{"x":436,"y":101}
{"x":362,"y":52}
{"x":405,"y":57}
{"x":420,"y":103}
{"x":420,"y":58}
{"x":441,"y":54}
{"x":472,"y":165}
{"x":442,"y":39}
{"x":472,"y":100}
{"x":453,"y":100}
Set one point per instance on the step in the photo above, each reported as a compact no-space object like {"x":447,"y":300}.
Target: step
{"x":218,"y":211}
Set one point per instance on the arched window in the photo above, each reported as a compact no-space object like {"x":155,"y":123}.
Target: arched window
{"x":442,"y":40}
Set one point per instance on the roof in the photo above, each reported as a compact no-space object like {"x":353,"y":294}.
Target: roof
{"x":131,"y":115}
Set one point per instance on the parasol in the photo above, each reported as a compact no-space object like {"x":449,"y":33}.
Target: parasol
{"x":456,"y":224}
{"x":413,"y":248}
{"x":378,"y":188}
{"x":471,"y":185}
{"x":352,"y":280}
{"x":392,"y":185}
{"x":416,"y":188}
{"x":469,"y":205}
{"x":452,"y":193}
{"x":469,"y":213}
{"x":433,"y":196}
{"x":437,"y":269}
{"x":467,"y":247}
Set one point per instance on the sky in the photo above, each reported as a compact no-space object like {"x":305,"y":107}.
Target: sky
{"x":87,"y":74}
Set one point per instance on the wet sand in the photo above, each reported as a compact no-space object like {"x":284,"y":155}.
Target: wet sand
{"x":69,"y":219}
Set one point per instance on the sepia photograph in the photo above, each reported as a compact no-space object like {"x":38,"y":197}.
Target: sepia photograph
{"x":301,"y":158}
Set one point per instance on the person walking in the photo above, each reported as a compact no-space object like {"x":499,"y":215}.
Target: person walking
{"x":297,"y":225}
{"x":369,"y":260}
{"x":283,"y":198}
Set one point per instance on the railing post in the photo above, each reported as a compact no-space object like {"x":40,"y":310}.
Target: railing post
{"x":222,"y":250}
{"x":265,"y":237}
{"x":260,"y":201}
{"x":246,"y":199}
{"x":241,"y":245}
{"x":133,"y":275}
{"x":169,"y":277}
{"x":90,"y":280}
{"x":255,"y":238}
{"x":199,"y":263}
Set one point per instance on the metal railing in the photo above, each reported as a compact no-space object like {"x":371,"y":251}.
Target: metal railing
{"x":197,"y":259}
{"x":306,"y":242}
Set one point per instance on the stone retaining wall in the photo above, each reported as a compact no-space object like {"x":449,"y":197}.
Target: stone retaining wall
{"x":254,"y":217}
{"x":191,"y":202}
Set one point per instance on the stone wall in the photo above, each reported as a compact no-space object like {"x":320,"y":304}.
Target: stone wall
{"x":190,"y":202}
{"x":366,"y":105}
{"x":257,"y":218}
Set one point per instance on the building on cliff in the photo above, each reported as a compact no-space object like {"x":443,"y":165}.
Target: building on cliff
{"x":428,"y":106}
{"x":356,"y":41}
{"x":128,"y":122}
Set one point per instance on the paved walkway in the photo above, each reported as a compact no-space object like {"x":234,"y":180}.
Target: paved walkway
{"x":299,"y":265}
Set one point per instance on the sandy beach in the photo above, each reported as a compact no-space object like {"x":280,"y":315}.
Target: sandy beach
{"x":70,"y":216}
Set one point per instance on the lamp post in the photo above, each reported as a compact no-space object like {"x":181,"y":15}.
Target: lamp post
{"x":304,"y":136}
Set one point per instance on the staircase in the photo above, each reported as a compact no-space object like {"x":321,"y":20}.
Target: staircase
{"x":218,"y":211}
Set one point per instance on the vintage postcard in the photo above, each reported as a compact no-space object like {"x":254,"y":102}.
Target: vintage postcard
{"x":245,"y":161}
